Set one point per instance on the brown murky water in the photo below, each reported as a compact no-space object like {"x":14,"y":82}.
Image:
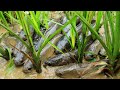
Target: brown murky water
{"x":18,"y":74}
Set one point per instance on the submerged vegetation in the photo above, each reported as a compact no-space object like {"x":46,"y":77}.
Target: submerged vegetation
{"x":72,"y":38}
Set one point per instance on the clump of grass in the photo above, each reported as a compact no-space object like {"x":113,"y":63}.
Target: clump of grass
{"x":111,"y":45}
{"x":81,"y":44}
{"x":25,"y":21}
{"x":109,"y":19}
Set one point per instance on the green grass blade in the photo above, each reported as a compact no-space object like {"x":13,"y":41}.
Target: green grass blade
{"x":112,"y":26}
{"x":116,"y":34}
{"x":55,"y":33}
{"x":98,"y":20}
{"x":95,"y":33}
{"x":26,"y":29}
{"x":12,"y":18}
{"x":15,"y":35}
{"x":3,"y":19}
{"x":107,"y":33}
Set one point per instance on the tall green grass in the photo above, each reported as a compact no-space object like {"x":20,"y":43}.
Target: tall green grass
{"x":112,"y":30}
{"x":81,"y":44}
{"x":33,"y":19}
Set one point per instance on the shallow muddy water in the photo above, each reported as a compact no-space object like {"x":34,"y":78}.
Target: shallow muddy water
{"x":17,"y":72}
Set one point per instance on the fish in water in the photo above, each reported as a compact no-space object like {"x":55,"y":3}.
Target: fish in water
{"x":93,"y":50}
{"x":63,"y":44}
{"x":19,"y":57}
{"x":66,"y":58}
{"x":27,"y":67}
{"x":102,"y":52}
{"x":47,"y":52}
{"x":36,"y":38}
{"x":61,"y":59}
{"x":75,"y":70}
{"x":47,"y":34}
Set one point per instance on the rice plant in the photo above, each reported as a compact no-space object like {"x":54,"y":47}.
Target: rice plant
{"x":109,"y":19}
{"x":25,"y":21}
{"x":81,"y":44}
{"x":111,"y":46}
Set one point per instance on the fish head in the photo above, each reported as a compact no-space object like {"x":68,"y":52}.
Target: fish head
{"x":27,"y":67}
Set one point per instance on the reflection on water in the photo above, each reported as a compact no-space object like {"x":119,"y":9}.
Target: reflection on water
{"x":18,"y":74}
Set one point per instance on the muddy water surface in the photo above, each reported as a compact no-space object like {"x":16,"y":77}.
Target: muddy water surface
{"x":17,"y":72}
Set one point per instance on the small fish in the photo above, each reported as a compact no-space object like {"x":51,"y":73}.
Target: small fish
{"x":63,"y":44}
{"x":93,"y":50}
{"x":75,"y":70}
{"x":27,"y":67}
{"x":46,"y":53}
{"x":61,"y":59}
{"x":47,"y":34}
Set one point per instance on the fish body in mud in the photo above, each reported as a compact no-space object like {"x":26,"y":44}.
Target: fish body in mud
{"x":66,"y":58}
{"x":89,"y":40}
{"x":47,"y":34}
{"x":63,"y":44}
{"x":102,"y":52}
{"x":19,"y":43}
{"x":96,"y":48}
{"x":36,"y":38}
{"x":27,"y":67}
{"x":67,"y":28}
{"x":19,"y":57}
{"x":47,"y":52}
{"x":75,"y":70}
{"x":93,"y":50}
{"x":61,"y":59}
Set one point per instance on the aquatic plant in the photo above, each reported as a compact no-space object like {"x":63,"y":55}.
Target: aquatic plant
{"x":81,"y":43}
{"x":110,"y":20}
{"x":25,"y":21}
{"x":111,"y":25}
